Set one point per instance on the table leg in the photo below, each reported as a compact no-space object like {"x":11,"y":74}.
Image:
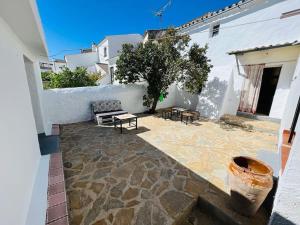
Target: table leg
{"x":129,"y":122}
{"x":136,"y":123}
{"x":121,"y":126}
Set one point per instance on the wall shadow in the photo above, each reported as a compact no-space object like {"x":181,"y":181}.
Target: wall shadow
{"x":211,"y":98}
{"x":277,"y":219}
{"x":186,"y":100}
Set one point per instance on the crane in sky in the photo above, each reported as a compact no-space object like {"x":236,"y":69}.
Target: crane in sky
{"x":159,"y":13}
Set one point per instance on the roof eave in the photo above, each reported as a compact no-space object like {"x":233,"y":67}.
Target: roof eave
{"x":262,"y":48}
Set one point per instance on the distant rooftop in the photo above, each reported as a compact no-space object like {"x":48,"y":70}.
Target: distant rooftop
{"x":155,"y":34}
{"x":59,"y":60}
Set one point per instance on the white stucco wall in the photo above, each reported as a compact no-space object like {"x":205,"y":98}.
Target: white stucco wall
{"x":70,"y":105}
{"x":292,"y":99}
{"x":84,"y":60}
{"x":20,"y":154}
{"x":115,"y":42}
{"x":34,"y":94}
{"x":287,"y":200}
{"x":258,"y":26}
{"x":58,"y":66}
{"x":101,"y":46}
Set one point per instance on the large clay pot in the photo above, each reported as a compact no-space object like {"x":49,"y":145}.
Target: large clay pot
{"x":250,"y":182}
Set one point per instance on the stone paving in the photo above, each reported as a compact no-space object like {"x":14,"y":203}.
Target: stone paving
{"x":155,"y":174}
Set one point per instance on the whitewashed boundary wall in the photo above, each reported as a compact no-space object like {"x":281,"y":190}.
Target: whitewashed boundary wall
{"x":71,"y":105}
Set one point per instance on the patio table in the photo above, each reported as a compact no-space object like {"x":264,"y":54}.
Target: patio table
{"x":122,"y":118}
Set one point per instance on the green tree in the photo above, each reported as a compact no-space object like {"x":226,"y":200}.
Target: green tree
{"x":67,"y":78}
{"x":46,"y":76}
{"x":163,"y":62}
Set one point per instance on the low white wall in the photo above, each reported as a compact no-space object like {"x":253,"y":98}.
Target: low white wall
{"x":287,"y":200}
{"x":71,"y":105}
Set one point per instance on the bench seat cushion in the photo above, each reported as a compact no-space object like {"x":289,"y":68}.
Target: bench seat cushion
{"x":114,"y":113}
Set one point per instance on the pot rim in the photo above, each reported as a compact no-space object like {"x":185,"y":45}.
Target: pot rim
{"x":249,"y":171}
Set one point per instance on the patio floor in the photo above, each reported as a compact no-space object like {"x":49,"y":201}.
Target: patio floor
{"x":155,"y":174}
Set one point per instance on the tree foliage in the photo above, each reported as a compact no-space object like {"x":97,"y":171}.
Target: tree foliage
{"x":161,"y":63}
{"x":67,"y":78}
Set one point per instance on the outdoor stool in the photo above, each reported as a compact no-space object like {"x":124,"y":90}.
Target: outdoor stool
{"x":187,"y":116}
{"x":166,"y":113}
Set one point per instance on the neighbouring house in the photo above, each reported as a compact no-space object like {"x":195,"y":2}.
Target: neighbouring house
{"x":153,"y":34}
{"x":254,"y":46}
{"x":102,"y":57}
{"x":56,"y":65}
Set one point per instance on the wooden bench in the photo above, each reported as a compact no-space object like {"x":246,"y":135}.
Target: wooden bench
{"x":104,"y":111}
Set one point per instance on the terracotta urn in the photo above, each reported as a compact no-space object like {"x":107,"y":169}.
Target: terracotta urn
{"x":250,"y":182}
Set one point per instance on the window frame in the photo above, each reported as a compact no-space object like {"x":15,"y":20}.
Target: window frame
{"x":112,"y":72}
{"x":215,"y":30}
{"x":105,"y":51}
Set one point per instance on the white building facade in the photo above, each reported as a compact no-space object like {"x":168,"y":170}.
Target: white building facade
{"x":102,"y":57}
{"x":243,"y":36}
{"x":56,"y":65}
{"x":254,"y":46}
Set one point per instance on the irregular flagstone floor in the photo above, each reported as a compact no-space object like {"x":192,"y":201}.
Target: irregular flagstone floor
{"x":155,"y":174}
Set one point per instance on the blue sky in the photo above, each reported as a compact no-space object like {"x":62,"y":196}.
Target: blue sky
{"x":71,"y":25}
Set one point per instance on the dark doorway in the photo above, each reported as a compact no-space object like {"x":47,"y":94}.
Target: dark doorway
{"x":268,"y":87}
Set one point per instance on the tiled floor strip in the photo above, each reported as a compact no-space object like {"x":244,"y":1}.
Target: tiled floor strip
{"x":57,"y":212}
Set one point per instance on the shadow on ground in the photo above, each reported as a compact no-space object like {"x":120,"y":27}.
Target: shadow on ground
{"x":114,"y":178}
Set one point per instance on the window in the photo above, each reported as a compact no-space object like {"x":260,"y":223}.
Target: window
{"x":290,"y":13}
{"x":215,"y":30}
{"x":112,"y":71}
{"x":105,"y":52}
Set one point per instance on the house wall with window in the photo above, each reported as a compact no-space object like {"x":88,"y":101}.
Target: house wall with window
{"x":248,"y":25}
{"x":22,"y":45}
{"x":103,"y":51}
{"x":58,"y":66}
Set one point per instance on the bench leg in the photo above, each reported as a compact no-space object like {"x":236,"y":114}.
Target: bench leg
{"x":121,"y":126}
{"x":99,"y":120}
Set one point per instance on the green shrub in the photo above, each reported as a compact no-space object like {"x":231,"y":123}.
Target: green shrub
{"x":67,"y":78}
